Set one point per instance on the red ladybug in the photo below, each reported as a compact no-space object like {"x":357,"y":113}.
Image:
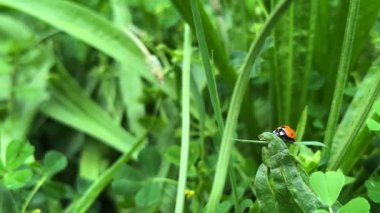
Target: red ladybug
{"x":286,"y":133}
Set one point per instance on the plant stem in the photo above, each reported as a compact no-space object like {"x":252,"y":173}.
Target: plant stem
{"x":234,"y":109}
{"x":33,"y":192}
{"x":185,"y":122}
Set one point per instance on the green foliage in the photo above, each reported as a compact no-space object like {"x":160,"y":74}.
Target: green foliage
{"x":17,"y":153}
{"x":373,"y":188}
{"x":355,"y":205}
{"x":136,"y":106}
{"x":328,"y":187}
{"x":53,"y":163}
{"x":280,"y":185}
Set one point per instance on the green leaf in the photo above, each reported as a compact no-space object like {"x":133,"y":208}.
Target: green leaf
{"x":302,"y":124}
{"x":373,"y":190}
{"x":224,"y":207}
{"x":56,"y":190}
{"x":373,"y":125}
{"x":7,"y":201}
{"x":126,"y":187}
{"x":310,"y":143}
{"x":54,"y":162}
{"x":354,"y":120}
{"x":376,"y":107}
{"x":92,"y":162}
{"x":264,"y":191}
{"x":212,"y":38}
{"x":150,"y":160}
{"x":18,"y":179}
{"x":16,"y":36}
{"x":172,"y":154}
{"x":236,"y":102}
{"x":85,"y":25}
{"x":204,"y":49}
{"x":307,"y":158}
{"x":18,"y":151}
{"x":245,"y":204}
{"x":72,"y":106}
{"x":320,"y":211}
{"x":343,"y":70}
{"x":356,"y":205}
{"x":149,"y":194}
{"x":327,"y":185}
{"x":128,"y":181}
{"x":82,"y":204}
{"x":130,"y":173}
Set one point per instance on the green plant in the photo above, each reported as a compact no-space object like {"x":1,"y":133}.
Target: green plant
{"x":19,"y":175}
{"x":145,"y":100}
{"x":328,"y":186}
{"x":280,"y":184}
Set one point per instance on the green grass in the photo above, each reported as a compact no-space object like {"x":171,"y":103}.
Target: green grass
{"x":147,"y":104}
{"x":185,"y":121}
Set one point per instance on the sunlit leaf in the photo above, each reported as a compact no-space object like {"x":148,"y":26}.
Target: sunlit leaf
{"x":18,"y":179}
{"x":18,"y":152}
{"x":356,"y":205}
{"x":327,"y":185}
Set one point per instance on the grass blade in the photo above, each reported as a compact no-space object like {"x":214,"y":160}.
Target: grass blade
{"x":302,"y":124}
{"x":86,"y":26}
{"x":220,"y":55}
{"x":288,"y":87}
{"x":344,"y":65}
{"x":71,"y":106}
{"x":185,"y":136}
{"x":237,"y":98}
{"x":310,"y":52}
{"x":355,"y":118}
{"x":211,"y":83}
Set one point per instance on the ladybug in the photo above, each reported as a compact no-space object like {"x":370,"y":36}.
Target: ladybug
{"x":286,"y":133}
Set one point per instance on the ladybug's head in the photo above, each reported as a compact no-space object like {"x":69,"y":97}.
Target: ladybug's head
{"x":286,"y":133}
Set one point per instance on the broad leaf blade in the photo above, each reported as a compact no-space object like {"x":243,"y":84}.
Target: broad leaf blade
{"x":327,"y":185}
{"x":53,"y":163}
{"x":354,"y":120}
{"x":18,"y":152}
{"x":149,"y":194}
{"x":71,"y":106}
{"x":373,"y":189}
{"x":85,"y":25}
{"x":18,"y":179}
{"x":356,"y":205}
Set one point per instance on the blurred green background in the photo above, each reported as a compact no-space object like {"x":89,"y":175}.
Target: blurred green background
{"x":104,"y":82}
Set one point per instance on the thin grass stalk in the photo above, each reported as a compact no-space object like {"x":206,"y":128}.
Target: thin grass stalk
{"x":234,"y":109}
{"x":211,"y":83}
{"x":276,"y":93}
{"x":301,"y":126}
{"x":343,"y":69}
{"x":185,"y":122}
{"x":288,"y":87}
{"x":310,"y":52}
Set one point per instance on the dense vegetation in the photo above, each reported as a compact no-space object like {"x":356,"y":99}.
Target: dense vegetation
{"x":128,"y":105}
